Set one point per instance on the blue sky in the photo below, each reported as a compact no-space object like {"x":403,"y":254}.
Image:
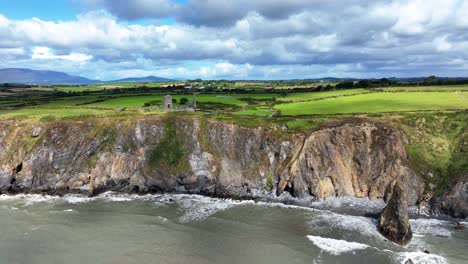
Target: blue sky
{"x":43,"y":9}
{"x":243,"y":39}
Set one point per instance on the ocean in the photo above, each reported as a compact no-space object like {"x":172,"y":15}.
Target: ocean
{"x":179,"y":228}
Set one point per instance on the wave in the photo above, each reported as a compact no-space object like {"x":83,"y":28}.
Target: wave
{"x":108,"y":197}
{"x":198,"y":208}
{"x":30,"y":199}
{"x":431,"y":227}
{"x":351,"y":203}
{"x":336,"y":246}
{"x":332,"y":223}
{"x":420,"y":258}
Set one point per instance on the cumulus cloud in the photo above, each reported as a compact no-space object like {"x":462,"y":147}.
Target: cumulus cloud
{"x":46,"y":54}
{"x":248,"y":39}
{"x":137,"y":9}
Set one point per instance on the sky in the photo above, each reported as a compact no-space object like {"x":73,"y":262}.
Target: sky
{"x":242,"y":39}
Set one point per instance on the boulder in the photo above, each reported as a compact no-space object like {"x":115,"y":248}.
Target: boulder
{"x":394,"y":220}
{"x":36,"y":132}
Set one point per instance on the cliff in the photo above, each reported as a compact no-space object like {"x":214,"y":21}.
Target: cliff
{"x":198,"y":155}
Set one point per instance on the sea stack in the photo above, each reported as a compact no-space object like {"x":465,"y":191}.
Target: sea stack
{"x":394,"y":220}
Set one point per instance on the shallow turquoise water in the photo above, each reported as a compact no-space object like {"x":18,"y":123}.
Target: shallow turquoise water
{"x":193,"y":229}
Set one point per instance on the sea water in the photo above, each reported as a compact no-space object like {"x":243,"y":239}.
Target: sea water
{"x":113,"y":228}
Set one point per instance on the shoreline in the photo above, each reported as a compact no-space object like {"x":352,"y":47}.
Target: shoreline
{"x":351,"y":206}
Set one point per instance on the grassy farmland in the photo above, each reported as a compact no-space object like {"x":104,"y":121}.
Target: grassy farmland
{"x":138,"y":101}
{"x":302,"y":97}
{"x":266,"y":102}
{"x":378,"y":102}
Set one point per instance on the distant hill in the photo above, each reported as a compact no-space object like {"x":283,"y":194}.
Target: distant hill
{"x":142,"y":79}
{"x":28,"y":76}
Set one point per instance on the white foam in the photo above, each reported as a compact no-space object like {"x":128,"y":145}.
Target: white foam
{"x":113,"y":197}
{"x":107,"y":197}
{"x":420,"y":258}
{"x":77,"y":199}
{"x":36,"y":198}
{"x":63,"y":211}
{"x":12,"y":208}
{"x":163,"y":219}
{"x":29,"y":199}
{"x":198,"y":208}
{"x":332,"y":222}
{"x":4,"y":197}
{"x":432,"y":227}
{"x":361,"y":204}
{"x":336,"y":246}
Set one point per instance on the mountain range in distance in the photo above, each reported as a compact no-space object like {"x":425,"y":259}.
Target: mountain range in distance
{"x":39,"y":77}
{"x":28,"y":76}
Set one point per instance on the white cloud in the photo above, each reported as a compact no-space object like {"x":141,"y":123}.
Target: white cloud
{"x":12,"y":51}
{"x":3,"y":21}
{"x":247,"y":39}
{"x":442,"y":44}
{"x":45,"y":53}
{"x":323,"y":43}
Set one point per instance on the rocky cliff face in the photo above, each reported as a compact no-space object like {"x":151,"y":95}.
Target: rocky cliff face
{"x":454,"y":202}
{"x":197,"y":155}
{"x":351,"y":160}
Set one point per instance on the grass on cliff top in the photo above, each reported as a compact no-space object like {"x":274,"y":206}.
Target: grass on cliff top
{"x":379,"y":102}
{"x":56,"y":113}
{"x":437,"y":146}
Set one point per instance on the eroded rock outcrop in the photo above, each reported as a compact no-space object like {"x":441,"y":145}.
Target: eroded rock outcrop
{"x":199,"y":155}
{"x":352,"y":160}
{"x":394,"y":220}
{"x":454,"y":202}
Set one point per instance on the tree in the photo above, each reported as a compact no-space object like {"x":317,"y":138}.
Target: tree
{"x":363,"y":84}
{"x":430,"y":80}
{"x":174,"y":100}
{"x":183,"y":100}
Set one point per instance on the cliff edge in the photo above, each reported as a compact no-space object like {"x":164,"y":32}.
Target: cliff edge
{"x":198,"y":155}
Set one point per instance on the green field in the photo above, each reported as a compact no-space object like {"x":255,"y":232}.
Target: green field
{"x":139,"y":101}
{"x":379,"y":102}
{"x":448,"y":88}
{"x":30,"y":102}
{"x":301,"y":97}
{"x":54,"y":113}
{"x":258,"y":111}
{"x":70,"y":101}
